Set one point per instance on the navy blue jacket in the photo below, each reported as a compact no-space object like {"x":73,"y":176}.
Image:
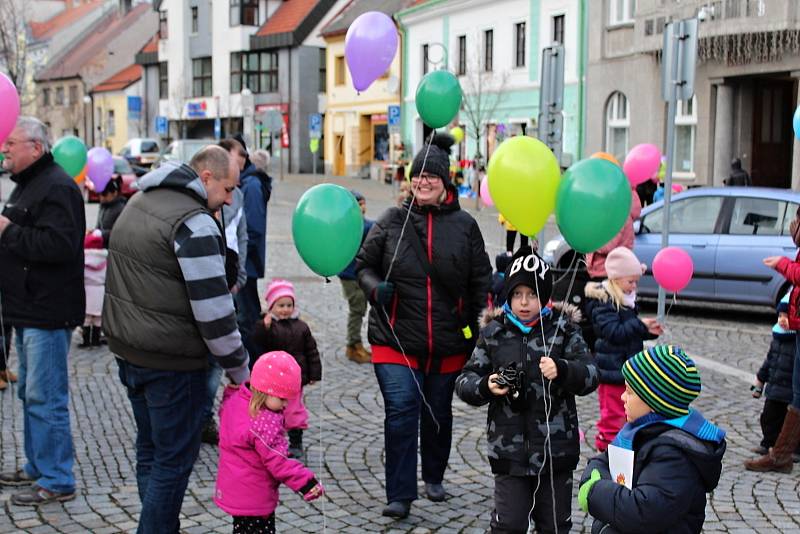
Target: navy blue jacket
{"x":349,"y":272}
{"x":257,"y":188}
{"x":777,"y":369}
{"x":620,"y":333}
{"x":672,"y":472}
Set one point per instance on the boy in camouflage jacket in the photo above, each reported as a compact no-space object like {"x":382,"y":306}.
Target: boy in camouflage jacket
{"x":550,"y":364}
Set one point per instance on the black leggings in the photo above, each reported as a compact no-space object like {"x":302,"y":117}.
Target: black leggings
{"x":253,"y":524}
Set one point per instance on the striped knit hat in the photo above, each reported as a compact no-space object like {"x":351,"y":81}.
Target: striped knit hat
{"x":665,"y":378}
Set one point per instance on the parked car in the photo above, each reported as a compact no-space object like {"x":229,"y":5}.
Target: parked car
{"x":182,"y":150}
{"x":142,"y":152}
{"x":122,"y":171}
{"x":727,"y":232}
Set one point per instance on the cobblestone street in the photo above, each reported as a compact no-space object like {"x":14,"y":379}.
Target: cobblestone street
{"x":345,"y":441}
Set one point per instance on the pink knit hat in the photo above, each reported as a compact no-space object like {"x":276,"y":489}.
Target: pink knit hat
{"x":276,"y":373}
{"x":622,"y":262}
{"x":93,"y":240}
{"x":279,"y":288}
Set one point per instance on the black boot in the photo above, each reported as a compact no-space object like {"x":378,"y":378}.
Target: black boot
{"x":87,"y":335}
{"x":95,"y":336}
{"x":296,"y":443}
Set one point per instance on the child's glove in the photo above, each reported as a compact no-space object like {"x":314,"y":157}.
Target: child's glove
{"x":384,"y":292}
{"x":586,"y":487}
{"x":315,"y":492}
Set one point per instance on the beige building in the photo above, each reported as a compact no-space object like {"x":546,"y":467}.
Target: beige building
{"x":746,"y":86}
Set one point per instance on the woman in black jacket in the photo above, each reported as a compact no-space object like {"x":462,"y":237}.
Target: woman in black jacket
{"x":427,"y":276}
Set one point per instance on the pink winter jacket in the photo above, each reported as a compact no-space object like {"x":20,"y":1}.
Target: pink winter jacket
{"x":596,"y":261}
{"x":95,"y":261}
{"x":252,"y":458}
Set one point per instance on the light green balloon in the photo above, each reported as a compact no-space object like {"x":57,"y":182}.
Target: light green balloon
{"x":70,"y":153}
{"x":438,"y":98}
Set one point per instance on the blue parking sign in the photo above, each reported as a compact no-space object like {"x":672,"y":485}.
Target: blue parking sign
{"x":314,"y":125}
{"x":394,"y":115}
{"x":161,"y":125}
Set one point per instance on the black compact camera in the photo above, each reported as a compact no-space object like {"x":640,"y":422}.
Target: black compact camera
{"x":514,"y":379}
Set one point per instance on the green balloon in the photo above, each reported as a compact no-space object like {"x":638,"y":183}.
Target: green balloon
{"x":70,"y":153}
{"x":327,"y":226}
{"x":438,"y":98}
{"x":592,"y":204}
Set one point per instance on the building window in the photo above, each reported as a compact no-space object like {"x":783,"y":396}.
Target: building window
{"x":558,"y":29}
{"x":621,"y":11}
{"x":201,"y":76}
{"x":194,"y":19}
{"x":258,"y":71}
{"x":338,"y":70}
{"x":685,"y":128}
{"x":73,"y":94}
{"x":424,"y":59}
{"x":323,"y":71}
{"x":488,"y":50}
{"x":110,"y":127}
{"x":59,"y":96}
{"x":519,"y":44}
{"x":617,"y":125}
{"x":244,"y":13}
{"x":163,"y":80}
{"x":163,"y":33}
{"x":462,"y":55}
{"x":46,"y":97}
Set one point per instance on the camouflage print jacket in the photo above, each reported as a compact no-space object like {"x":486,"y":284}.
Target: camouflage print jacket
{"x":517,"y":428}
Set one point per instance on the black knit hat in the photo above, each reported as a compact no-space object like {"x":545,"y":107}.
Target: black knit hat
{"x":530,"y":269}
{"x":438,"y":160}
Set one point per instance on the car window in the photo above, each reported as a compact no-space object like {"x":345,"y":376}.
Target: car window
{"x":149,"y":146}
{"x":757,"y":216}
{"x":191,"y":149}
{"x":788,"y":217}
{"x":696,"y":215}
{"x":121,"y":166}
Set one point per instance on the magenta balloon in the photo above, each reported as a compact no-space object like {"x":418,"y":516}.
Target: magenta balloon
{"x":486,"y":198}
{"x":100,"y":167}
{"x":369,"y":47}
{"x":673,"y":268}
{"x":641,"y":163}
{"x":677,"y":188}
{"x":9,"y":104}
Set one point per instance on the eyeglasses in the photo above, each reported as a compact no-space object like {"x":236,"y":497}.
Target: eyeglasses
{"x":11,"y":143}
{"x":430,"y":178}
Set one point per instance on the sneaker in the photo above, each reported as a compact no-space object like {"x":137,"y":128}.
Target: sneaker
{"x":357,"y":353}
{"x":210,"y":434}
{"x":34,"y":496}
{"x":397,"y":509}
{"x":15,"y":478}
{"x":435,"y":492}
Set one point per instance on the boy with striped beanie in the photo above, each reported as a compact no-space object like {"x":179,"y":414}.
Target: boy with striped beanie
{"x":677,"y":454}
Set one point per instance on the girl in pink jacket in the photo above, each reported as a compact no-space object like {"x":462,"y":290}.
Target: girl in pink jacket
{"x":253,"y":458}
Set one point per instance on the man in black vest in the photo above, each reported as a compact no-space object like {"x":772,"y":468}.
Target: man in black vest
{"x":41,"y":296}
{"x":168,"y":305}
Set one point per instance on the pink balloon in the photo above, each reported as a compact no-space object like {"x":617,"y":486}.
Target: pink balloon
{"x":677,"y":188}
{"x":9,"y":103}
{"x":641,"y":163}
{"x":369,"y":47}
{"x":99,"y":167}
{"x":486,"y":198}
{"x":673,"y":268}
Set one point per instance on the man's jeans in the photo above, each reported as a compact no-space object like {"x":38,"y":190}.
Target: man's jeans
{"x":249,"y":311}
{"x":213,"y":378}
{"x":401,"y":427}
{"x":44,"y":392}
{"x":796,"y":374}
{"x":168,"y":408}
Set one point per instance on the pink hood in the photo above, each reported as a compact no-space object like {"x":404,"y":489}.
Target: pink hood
{"x":252,"y":458}
{"x":596,"y":261}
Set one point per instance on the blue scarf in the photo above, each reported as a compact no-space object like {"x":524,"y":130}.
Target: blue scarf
{"x":524,"y":326}
{"x":693,"y":423}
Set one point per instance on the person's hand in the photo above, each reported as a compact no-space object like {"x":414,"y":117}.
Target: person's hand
{"x":267,"y":320}
{"x":757,"y":388}
{"x":4,"y":222}
{"x":548,"y":368}
{"x":783,"y":321}
{"x":772,"y":261}
{"x":384,"y":292}
{"x":497,"y":389}
{"x":586,"y":487}
{"x":314,"y":493}
{"x":653,"y":326}
{"x":235,"y":289}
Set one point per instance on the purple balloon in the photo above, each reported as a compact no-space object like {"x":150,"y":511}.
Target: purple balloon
{"x":369,"y":47}
{"x":100,"y":167}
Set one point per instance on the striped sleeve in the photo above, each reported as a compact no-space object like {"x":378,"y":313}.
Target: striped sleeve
{"x":201,"y":256}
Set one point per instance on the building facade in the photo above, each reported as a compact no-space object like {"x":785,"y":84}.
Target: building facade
{"x":495,"y":49}
{"x":119,"y":104}
{"x":745,"y":88}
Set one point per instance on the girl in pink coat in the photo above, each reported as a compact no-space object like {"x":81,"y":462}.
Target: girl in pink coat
{"x":253,"y":458}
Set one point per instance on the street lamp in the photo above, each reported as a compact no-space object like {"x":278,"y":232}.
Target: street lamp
{"x":87,"y":100}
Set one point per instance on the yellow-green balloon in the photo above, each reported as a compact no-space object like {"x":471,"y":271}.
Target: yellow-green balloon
{"x":327,"y":226}
{"x":457,"y":133}
{"x":523,"y":181}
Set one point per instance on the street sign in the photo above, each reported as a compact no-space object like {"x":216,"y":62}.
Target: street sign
{"x":551,"y":98}
{"x":134,"y":108}
{"x":680,"y":37}
{"x":313,"y":145}
{"x":162,"y":125}
{"x":314,"y":125}
{"x":217,"y":128}
{"x":394,"y":116}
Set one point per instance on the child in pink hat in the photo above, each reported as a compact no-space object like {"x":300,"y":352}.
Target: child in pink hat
{"x":280,"y":328}
{"x":253,"y":458}
{"x":611,"y":306}
{"x":95,"y":260}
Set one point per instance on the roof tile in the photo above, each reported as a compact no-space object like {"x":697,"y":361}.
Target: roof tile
{"x":120,"y":80}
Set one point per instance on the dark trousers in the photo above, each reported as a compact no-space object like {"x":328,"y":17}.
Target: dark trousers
{"x":248,"y":524}
{"x":511,"y":236}
{"x":5,"y":347}
{"x":514,"y":498}
{"x":772,"y":417}
{"x":406,"y":418}
{"x":249,"y":305}
{"x":168,"y":409}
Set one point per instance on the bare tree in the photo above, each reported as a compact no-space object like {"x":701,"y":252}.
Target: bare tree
{"x":484,"y":91}
{"x":14,"y":48}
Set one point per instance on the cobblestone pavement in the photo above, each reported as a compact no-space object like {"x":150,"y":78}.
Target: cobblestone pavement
{"x":345,"y":443}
